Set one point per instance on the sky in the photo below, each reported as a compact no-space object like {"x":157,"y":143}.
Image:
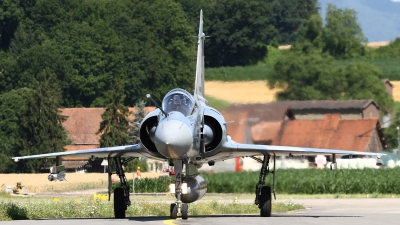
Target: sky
{"x":379,"y":19}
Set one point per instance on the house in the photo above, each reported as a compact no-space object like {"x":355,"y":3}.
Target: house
{"x":388,"y":86}
{"x":242,"y":117}
{"x":332,"y":132}
{"x":302,"y":123}
{"x":387,"y":118}
{"x":82,"y":125}
{"x":347,"y":109}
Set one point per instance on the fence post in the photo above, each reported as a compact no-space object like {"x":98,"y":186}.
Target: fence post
{"x":133,"y":183}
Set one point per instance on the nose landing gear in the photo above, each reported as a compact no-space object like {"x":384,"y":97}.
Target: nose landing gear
{"x":179,"y":207}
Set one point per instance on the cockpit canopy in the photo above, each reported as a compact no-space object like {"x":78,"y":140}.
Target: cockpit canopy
{"x":178,"y":100}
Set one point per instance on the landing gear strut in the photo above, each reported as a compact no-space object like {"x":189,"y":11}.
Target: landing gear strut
{"x":179,"y":207}
{"x":121,"y":195}
{"x":263,"y":193}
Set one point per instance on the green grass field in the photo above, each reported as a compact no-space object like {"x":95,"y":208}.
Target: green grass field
{"x":294,"y":181}
{"x":390,"y":67}
{"x":218,"y":104}
{"x":22,"y":208}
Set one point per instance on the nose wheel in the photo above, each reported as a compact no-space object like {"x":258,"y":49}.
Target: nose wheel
{"x":173,"y":211}
{"x":185,"y":211}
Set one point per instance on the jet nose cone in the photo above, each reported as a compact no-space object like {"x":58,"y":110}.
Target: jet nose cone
{"x":173,"y":139}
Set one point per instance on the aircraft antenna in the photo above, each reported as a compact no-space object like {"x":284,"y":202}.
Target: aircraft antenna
{"x":157,"y":105}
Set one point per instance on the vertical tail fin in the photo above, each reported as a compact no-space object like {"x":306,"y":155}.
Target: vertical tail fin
{"x":199,"y":85}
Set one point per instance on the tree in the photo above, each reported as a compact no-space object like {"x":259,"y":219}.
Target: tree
{"x":114,"y":127}
{"x":314,"y":76}
{"x":391,"y":133}
{"x":342,"y":35}
{"x":41,"y":129}
{"x":10,"y":16}
{"x":134,"y":124}
{"x":86,"y":44}
{"x":237,"y":29}
{"x":134,"y":129}
{"x":158,"y":47}
{"x":192,"y":10}
{"x":309,"y":37}
{"x":305,"y":77}
{"x":21,"y":71}
{"x":132,"y":165}
{"x":11,"y":111}
{"x":287,"y":16}
{"x":364,"y":81}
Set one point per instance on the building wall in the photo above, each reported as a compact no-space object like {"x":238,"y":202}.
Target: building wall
{"x":318,"y":114}
{"x":389,"y":88}
{"x":351,"y":116}
{"x":371,"y":112}
{"x":374,"y":144}
{"x":310,"y":116}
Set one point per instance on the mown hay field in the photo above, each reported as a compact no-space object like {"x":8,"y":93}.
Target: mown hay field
{"x":255,"y":91}
{"x":240,"y":92}
{"x":396,"y":90}
{"x":38,"y":183}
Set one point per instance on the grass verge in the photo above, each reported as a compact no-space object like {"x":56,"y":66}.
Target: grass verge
{"x":15,"y":208}
{"x":218,"y":104}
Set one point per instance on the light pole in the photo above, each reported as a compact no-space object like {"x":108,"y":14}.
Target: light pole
{"x":398,"y":141}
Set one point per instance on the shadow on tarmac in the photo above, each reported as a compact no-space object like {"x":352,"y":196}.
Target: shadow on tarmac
{"x":163,"y":218}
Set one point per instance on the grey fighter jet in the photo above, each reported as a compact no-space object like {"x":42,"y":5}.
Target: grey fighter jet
{"x":187,"y":133}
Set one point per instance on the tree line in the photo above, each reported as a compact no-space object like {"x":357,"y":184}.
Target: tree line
{"x":110,"y":53}
{"x":75,"y":53}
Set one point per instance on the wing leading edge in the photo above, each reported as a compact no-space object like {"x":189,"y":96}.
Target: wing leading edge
{"x":127,"y":150}
{"x":238,"y":150}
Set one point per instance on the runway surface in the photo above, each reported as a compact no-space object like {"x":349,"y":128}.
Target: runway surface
{"x":369,"y":211}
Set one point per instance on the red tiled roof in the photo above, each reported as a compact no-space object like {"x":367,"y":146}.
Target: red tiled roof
{"x":83,"y":123}
{"x":331,"y":133}
{"x":274,"y":111}
{"x":236,"y":129}
{"x":265,"y":131}
{"x":80,"y":147}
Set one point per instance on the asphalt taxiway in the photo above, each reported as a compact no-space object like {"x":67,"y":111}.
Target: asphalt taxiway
{"x":369,"y":211}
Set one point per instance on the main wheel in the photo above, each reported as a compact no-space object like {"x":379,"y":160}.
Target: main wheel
{"x":185,"y":211}
{"x":173,"y":211}
{"x":265,"y":203}
{"x":119,"y":203}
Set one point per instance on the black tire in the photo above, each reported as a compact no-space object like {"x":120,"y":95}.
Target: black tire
{"x":185,"y":208}
{"x":173,"y":211}
{"x":265,"y":203}
{"x":119,"y":203}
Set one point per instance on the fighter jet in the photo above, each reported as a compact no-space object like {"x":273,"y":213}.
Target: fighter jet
{"x":187,"y":133}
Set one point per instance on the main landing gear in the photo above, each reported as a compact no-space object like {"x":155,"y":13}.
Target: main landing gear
{"x":121,"y":194}
{"x":263,"y":193}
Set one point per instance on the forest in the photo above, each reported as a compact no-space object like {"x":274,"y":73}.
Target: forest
{"x":110,"y":53}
